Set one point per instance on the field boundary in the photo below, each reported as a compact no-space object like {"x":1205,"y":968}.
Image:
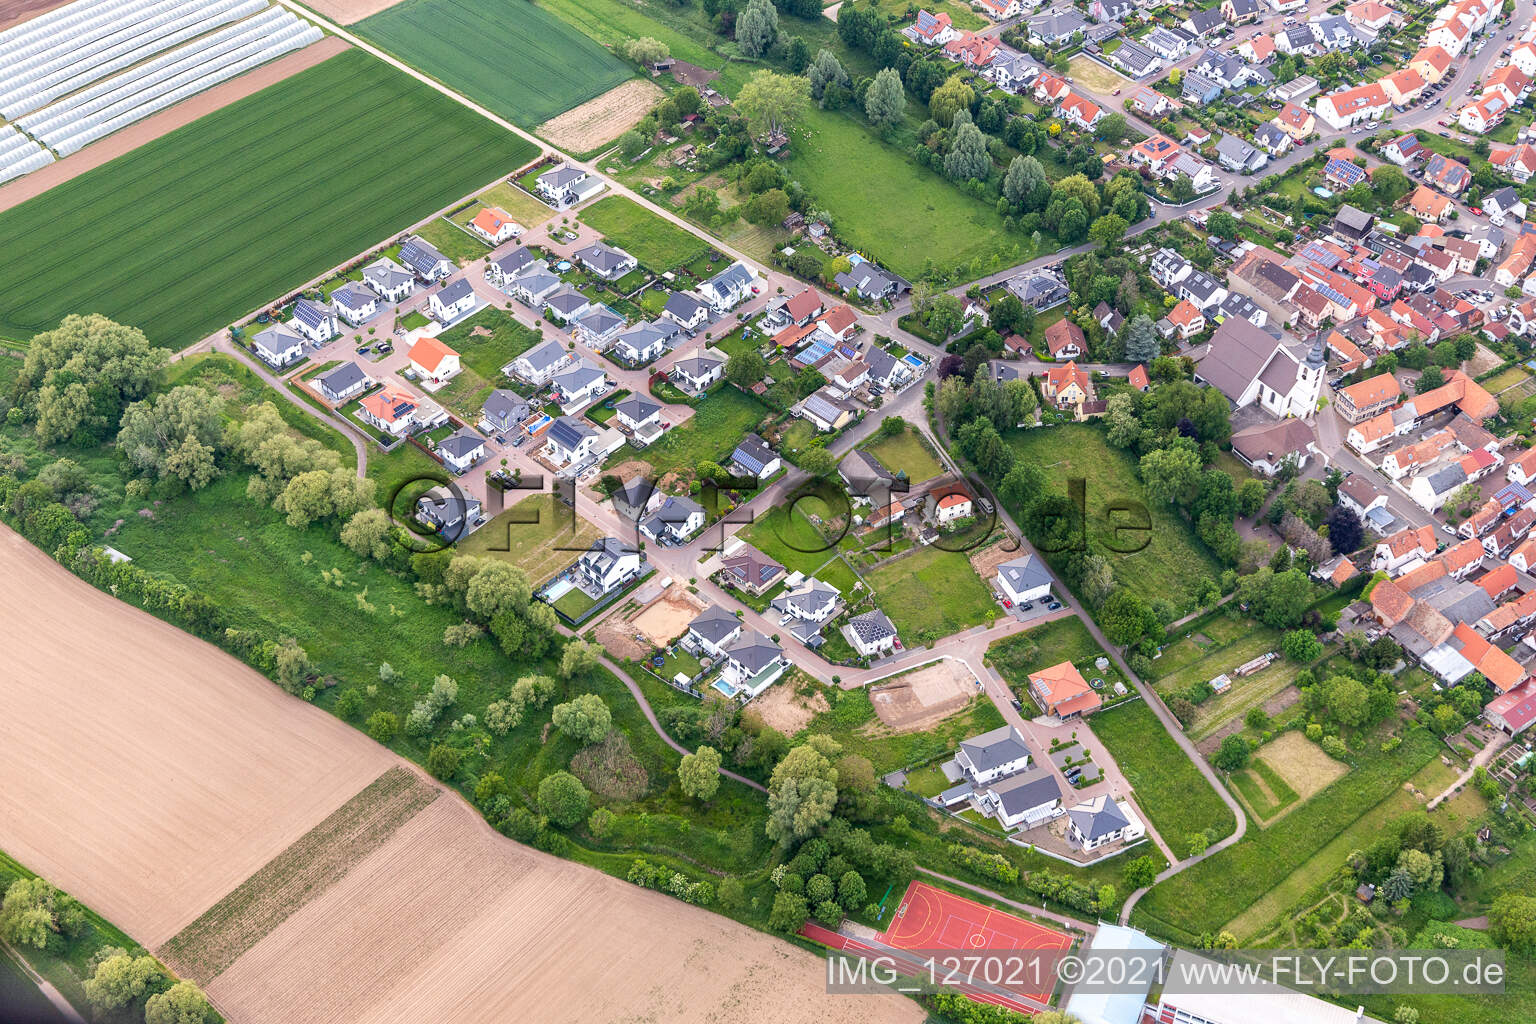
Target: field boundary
{"x":302,"y":872}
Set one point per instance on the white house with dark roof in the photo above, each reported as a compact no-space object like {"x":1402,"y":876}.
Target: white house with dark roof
{"x":824,"y":410}
{"x":812,"y":601}
{"x":729,"y":288}
{"x":992,"y":755}
{"x":578,"y":385}
{"x":635,"y":411}
{"x":608,"y":564}
{"x":1025,"y":579}
{"x":422,"y":259}
{"x":870,"y":281}
{"x":569,"y":441}
{"x":504,"y":411}
{"x":567,"y":305}
{"x":752,"y":457}
{"x":503,"y":269}
{"x":713,"y":630}
{"x":313,"y":320}
{"x":452,"y":514}
{"x":1100,"y":821}
{"x":389,"y":280}
{"x":461,"y":450}
{"x":606,"y":261}
{"x":343,"y":382}
{"x":673,"y":519}
{"x":355,"y":302}
{"x":752,"y":663}
{"x":567,"y":185}
{"x":540,"y":364}
{"x":645,"y":342}
{"x":453,"y":302}
{"x":533,"y":286}
{"x":1249,"y":365}
{"x":1025,"y":799}
{"x":695,"y":373}
{"x":686,"y":311}
{"x":599,"y":327}
{"x":278,"y":345}
{"x":871,"y":634}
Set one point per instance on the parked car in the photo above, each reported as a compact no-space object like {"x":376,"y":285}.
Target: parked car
{"x":1476,"y":210}
{"x":1053,"y":606}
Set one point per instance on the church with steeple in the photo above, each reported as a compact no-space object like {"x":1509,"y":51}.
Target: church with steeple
{"x":1250,"y":365}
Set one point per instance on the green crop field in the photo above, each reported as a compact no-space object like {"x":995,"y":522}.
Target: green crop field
{"x":196,"y":228}
{"x":517,"y":59}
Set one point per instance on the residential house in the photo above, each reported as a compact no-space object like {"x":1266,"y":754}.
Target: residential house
{"x":533,"y":287}
{"x":1404,"y":86}
{"x":1369,"y":14}
{"x":1256,"y":49}
{"x":1038,"y":291}
{"x":1236,"y":155}
{"x":1169,"y":44}
{"x":686,"y":311}
{"x":1514,"y":711}
{"x":609,"y":564}
{"x":1484,"y":114}
{"x":1101,"y":821}
{"x":871,"y":634}
{"x":451,"y":513}
{"x":1297,"y":122}
{"x":1352,"y":106}
{"x":748,"y":569}
{"x":1269,"y":447}
{"x":1449,"y":176}
{"x":1185,"y":320}
{"x":1110,"y":10}
{"x":1066,"y":387}
{"x":343,"y":382}
{"x":1024,"y":799}
{"x":461,"y":450}
{"x":1151,"y":103}
{"x":576,"y":386}
{"x":453,"y":301}
{"x":433,"y":361}
{"x":1399,"y":551}
{"x":566,"y":185}
{"x":1065,"y":340}
{"x":713,"y":630}
{"x":1503,"y":204}
{"x":1204,"y":23}
{"x":569,"y":441}
{"x":1011,"y":71}
{"x":389,"y":280}
{"x":1055,"y":26}
{"x":993,"y":755}
{"x":504,"y":412}
{"x":1297,"y":41}
{"x":423,"y":259}
{"x":695,"y":373}
{"x":313,"y":320}
{"x":870,"y":282}
{"x":278,"y":345}
{"x":605,"y":261}
{"x":931,"y":29}
{"x":1135,"y":60}
{"x":753,"y":458}
{"x":539,"y":364}
{"x":1431,"y":62}
{"x":1403,"y":150}
{"x":355,"y":302}
{"x":1241,"y":12}
{"x":1272,"y":140}
{"x":1343,"y":174}
{"x":824,"y":410}
{"x":598,"y":328}
{"x":1428,"y":205}
{"x":645,"y":342}
{"x":495,"y":225}
{"x":1200,"y":90}
{"x":567,"y":305}
{"x":1517,"y":162}
{"x":1025,"y":580}
{"x":973,"y":50}
{"x":1334,"y":33}
{"x":636,"y":411}
{"x":952,"y":508}
{"x":673,"y":520}
{"x":1367,"y":398}
{"x":1000,"y":10}
{"x":390,"y":409}
{"x":1061,"y":691}
{"x":752,"y":663}
{"x":839,"y":323}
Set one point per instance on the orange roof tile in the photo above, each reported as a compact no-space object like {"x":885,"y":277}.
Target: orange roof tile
{"x":428,"y":353}
{"x":1390,"y":603}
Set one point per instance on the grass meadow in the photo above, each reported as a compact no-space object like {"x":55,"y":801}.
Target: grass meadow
{"x":229,"y":212}
{"x":931,"y":593}
{"x":1173,"y":564}
{"x":659,"y":245}
{"x":1168,"y":786}
{"x":516,"y":59}
{"x":905,"y":453}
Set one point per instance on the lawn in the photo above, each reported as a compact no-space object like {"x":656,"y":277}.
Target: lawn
{"x":788,"y":537}
{"x":853,"y":723}
{"x":1095,"y":76}
{"x":1248,"y":883}
{"x":1173,"y":565}
{"x":518,"y":60}
{"x":229,"y":212}
{"x":525,"y":209}
{"x":905,"y":453}
{"x":613,"y":22}
{"x":710,"y":435}
{"x":901,"y":214}
{"x":931,"y":594}
{"x":1226,"y":644}
{"x":1067,"y":639}
{"x":658,"y":244}
{"x":1265,"y":792}
{"x":453,"y":242}
{"x":487,"y":355}
{"x":539,"y":534}
{"x":1168,"y":787}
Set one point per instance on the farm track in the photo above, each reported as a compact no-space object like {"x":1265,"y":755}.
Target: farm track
{"x":298,"y":875}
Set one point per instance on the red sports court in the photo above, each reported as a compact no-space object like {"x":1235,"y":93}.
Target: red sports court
{"x":929,"y":918}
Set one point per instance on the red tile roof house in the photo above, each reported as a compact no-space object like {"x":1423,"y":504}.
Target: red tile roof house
{"x":1065,"y":340}
{"x":1062,"y":691}
{"x":1513,"y":712}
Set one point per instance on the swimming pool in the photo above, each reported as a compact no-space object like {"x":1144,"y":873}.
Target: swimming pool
{"x":724,"y":687}
{"x":563,"y":265}
{"x":539,"y":424}
{"x":558,"y":589}
{"x":912,"y":361}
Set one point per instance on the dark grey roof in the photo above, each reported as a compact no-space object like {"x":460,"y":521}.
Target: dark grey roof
{"x":387,"y":275}
{"x":311,"y":313}
{"x":420,"y":255}
{"x":346,"y":375}
{"x":1026,"y":791}
{"x":1354,"y":219}
{"x":643,"y":336}
{"x":461,"y":444}
{"x":578,"y":377}
{"x":881,"y":363}
{"x":603,"y":257}
{"x":1234,"y":148}
{"x":681,"y":304}
{"x":861,"y":471}
{"x":516,"y":261}
{"x":536,"y":280}
{"x":735,"y":276}
{"x":634,"y":492}
{"x":567,"y":300}
{"x":278,"y":338}
{"x":505,"y":406}
{"x":697,"y":366}
{"x":354,"y":295}
{"x":1025,"y":573}
{"x":1238,"y":353}
{"x":545,"y":355}
{"x":753,"y":651}
{"x":1095,"y":823}
{"x":872,"y":626}
{"x":561,"y":176}
{"x":569,"y":433}
{"x":452,"y":293}
{"x":1133,"y":56}
{"x":1504,"y":197}
{"x":1208,"y":20}
{"x":715,"y":624}
{"x":753,"y":453}
{"x":602,"y":320}
{"x":1448,"y":478}
{"x":991,"y":750}
{"x":637,"y":407}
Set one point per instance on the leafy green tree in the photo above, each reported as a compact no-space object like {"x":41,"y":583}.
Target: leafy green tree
{"x":1140,"y":873}
{"x":1222,"y":225}
{"x":949,"y":99}
{"x":967,"y":156}
{"x":789,"y":913}
{"x":1512,"y":922}
{"x":1171,"y":474}
{"x":77,"y":377}
{"x":182,"y":1003}
{"x":772,"y":102}
{"x":647,"y":50}
{"x":699,"y":773}
{"x":1233,"y":754}
{"x":1346,"y":699}
{"x":757,"y":27}
{"x":578,"y":658}
{"x":825,"y":70}
{"x":121,"y":979}
{"x":803,"y":790}
{"x":443,"y":761}
{"x":1141,"y":341}
{"x":1108,"y":230}
{"x":585,"y":719}
{"x":383,"y":726}
{"x":1123,"y":617}
{"x":885,"y":103}
{"x":367,"y":534}
{"x":1301,"y":645}
{"x":176,"y":435}
{"x":563,"y":798}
